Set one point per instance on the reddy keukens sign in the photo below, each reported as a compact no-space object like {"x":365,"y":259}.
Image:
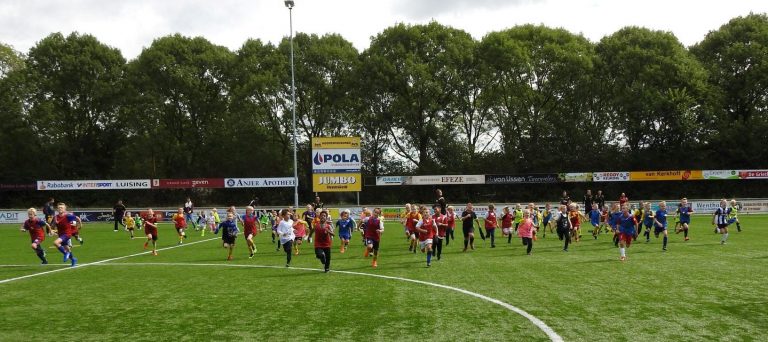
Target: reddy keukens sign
{"x":621,"y":176}
{"x":336,"y":164}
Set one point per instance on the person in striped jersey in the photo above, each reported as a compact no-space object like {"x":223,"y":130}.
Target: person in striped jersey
{"x":722,"y":220}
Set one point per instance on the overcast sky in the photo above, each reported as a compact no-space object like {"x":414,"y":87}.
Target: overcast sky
{"x":131,"y":25}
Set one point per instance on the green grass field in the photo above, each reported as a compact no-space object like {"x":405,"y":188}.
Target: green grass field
{"x":698,"y":290}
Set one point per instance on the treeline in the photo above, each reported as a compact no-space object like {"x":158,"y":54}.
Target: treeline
{"x":426,"y":99}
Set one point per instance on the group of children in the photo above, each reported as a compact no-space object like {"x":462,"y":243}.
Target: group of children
{"x":426,"y":232}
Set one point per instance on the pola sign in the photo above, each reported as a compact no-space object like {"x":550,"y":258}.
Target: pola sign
{"x":336,"y":164}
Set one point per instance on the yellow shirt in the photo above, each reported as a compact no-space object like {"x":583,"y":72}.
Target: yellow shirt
{"x":129,"y":222}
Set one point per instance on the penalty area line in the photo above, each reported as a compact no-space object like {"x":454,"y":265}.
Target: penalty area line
{"x":3,"y":281}
{"x":553,"y":336}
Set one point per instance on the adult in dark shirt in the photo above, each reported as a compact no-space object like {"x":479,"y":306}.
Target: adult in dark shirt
{"x":49,"y":210}
{"x":440,"y":202}
{"x":317,"y":204}
{"x":623,"y":199}
{"x":599,"y":199}
{"x":468,"y":219}
{"x":254,"y":202}
{"x":588,"y":200}
{"x":565,"y":200}
{"x":118,"y":211}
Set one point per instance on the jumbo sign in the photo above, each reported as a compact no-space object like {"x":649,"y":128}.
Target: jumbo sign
{"x":336,"y":164}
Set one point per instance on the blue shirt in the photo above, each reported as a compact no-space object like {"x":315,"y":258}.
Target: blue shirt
{"x":230,"y":228}
{"x":345,"y":226}
{"x":615,"y":219}
{"x":647,"y":219}
{"x":661,"y":216}
{"x":685,"y":214}
{"x":594,"y":217}
{"x":627,"y":225}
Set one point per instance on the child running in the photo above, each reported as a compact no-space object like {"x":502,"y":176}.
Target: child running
{"x":300,"y":231}
{"x":720,"y":219}
{"x":735,"y":214}
{"x":427,"y":229}
{"x":490,"y":224}
{"x":250,"y":229}
{"x":346,"y":225}
{"x":506,"y":224}
{"x":180,"y":222}
{"x":442,"y":227}
{"x":627,"y":228}
{"x":129,"y":222}
{"x":373,"y":229}
{"x":35,"y":226}
{"x":685,"y":217}
{"x":150,"y":230}
{"x":66,"y":223}
{"x":594,"y":219}
{"x":525,"y":231}
{"x":468,"y":219}
{"x":229,"y":233}
{"x":647,"y":219}
{"x":286,"y":234}
{"x":563,"y":227}
{"x":660,"y":223}
{"x":323,"y":234}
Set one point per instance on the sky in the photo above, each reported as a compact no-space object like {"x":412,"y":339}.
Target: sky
{"x":131,"y":25}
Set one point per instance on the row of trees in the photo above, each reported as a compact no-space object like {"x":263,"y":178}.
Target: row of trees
{"x":427,"y":99}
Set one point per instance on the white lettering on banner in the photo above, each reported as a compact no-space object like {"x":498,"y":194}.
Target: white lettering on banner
{"x":338,"y":180}
{"x":12,"y":216}
{"x":343,"y":160}
{"x":610,"y":176}
{"x":445,"y":179}
{"x":259,"y":182}
{"x":753,"y":174}
{"x":94,"y":184}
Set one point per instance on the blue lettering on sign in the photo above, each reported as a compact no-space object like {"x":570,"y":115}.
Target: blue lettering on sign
{"x":319,"y":159}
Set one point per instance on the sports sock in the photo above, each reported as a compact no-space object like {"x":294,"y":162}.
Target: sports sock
{"x":685,"y":232}
{"x":62,"y":250}
{"x":429,"y":257}
{"x":616,"y":240}
{"x":665,"y":242}
{"x":622,"y":251}
{"x":509,"y":237}
{"x":567,"y":241}
{"x":466,"y":243}
{"x":725,"y":237}
{"x":530,"y":246}
{"x":472,"y":241}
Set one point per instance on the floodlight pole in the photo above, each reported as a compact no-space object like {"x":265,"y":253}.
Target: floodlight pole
{"x":290,"y":4}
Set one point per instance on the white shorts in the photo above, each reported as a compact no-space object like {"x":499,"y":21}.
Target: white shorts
{"x":423,"y":244}
{"x":413,"y":236}
{"x":505,"y":231}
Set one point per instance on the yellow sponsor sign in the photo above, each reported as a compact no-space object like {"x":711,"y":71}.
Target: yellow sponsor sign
{"x":336,"y":182}
{"x":335,"y":142}
{"x":674,"y":175}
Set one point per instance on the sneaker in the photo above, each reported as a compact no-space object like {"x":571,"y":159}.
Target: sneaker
{"x":179,"y":242}
{"x":45,"y":262}
{"x":229,"y":258}
{"x":250,"y":256}
{"x":565,"y":249}
{"x":529,"y":254}
{"x":464,"y":250}
{"x":154,"y":253}
{"x":472,"y":246}
{"x":722,"y":242}
{"x":74,"y":261}
{"x":664,"y":249}
{"x":687,"y":238}
{"x":493,"y":246}
{"x":145,"y":245}
{"x":81,"y":241}
{"x":327,"y":270}
{"x":647,"y":240}
{"x":287,"y":265}
{"x":623,"y":258}
{"x":375,"y":264}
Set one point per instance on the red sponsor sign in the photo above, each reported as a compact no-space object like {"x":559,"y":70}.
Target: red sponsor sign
{"x":188,"y":183}
{"x":753,"y":174}
{"x":29,"y":186}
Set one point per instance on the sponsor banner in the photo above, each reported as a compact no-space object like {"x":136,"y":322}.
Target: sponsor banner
{"x":188,"y":183}
{"x":753,"y":174}
{"x":753,"y":206}
{"x":93,"y":184}
{"x":336,"y":182}
{"x":444,"y":179}
{"x":17,"y":187}
{"x":390,"y":180}
{"x":392,"y":214}
{"x":343,"y":160}
{"x":521,"y":179}
{"x":335,"y":142}
{"x":576,"y":177}
{"x":259,"y":182}
{"x":720,"y":174}
{"x":14,"y":216}
{"x":621,"y":176}
{"x":666,"y":175}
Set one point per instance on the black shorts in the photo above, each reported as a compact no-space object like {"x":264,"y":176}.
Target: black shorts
{"x":563,"y":233}
{"x":373,"y":243}
{"x":230,"y":240}
{"x":468,"y":230}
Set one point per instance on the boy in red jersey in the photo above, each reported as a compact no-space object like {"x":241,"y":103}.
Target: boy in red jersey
{"x":373,"y":227}
{"x":66,"y":223}
{"x":411,"y":220}
{"x":506,"y":223}
{"x":427,"y":229}
{"x":450,"y":220}
{"x":34,"y":226}
{"x":250,"y":229}
{"x":627,"y":229}
{"x":150,"y":230}
{"x":323,"y":234}
{"x":180,"y":223}
{"x":442,"y":227}
{"x":490,"y":224}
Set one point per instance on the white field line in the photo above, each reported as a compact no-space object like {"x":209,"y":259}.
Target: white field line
{"x":553,"y":336}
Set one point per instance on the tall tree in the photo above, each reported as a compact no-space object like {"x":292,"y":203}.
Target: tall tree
{"x":736,"y":56}
{"x":654,"y":91}
{"x":74,"y":100}
{"x":419,"y":66}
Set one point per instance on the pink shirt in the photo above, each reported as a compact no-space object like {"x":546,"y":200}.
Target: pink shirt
{"x":525,"y":229}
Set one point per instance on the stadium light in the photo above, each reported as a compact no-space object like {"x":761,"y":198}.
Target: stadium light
{"x":290,"y":4}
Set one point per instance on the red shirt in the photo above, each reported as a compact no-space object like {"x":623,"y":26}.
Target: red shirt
{"x":439,"y":222}
{"x":35,"y":228}
{"x":506,"y":220}
{"x":249,"y":224}
{"x":371,"y":228}
{"x":300,"y":229}
{"x":180,"y":221}
{"x":490,"y":220}
{"x":152,"y":219}
{"x":323,"y":235}
{"x":429,"y":225}
{"x":450,"y":219}
{"x":64,"y":225}
{"x":623,"y":199}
